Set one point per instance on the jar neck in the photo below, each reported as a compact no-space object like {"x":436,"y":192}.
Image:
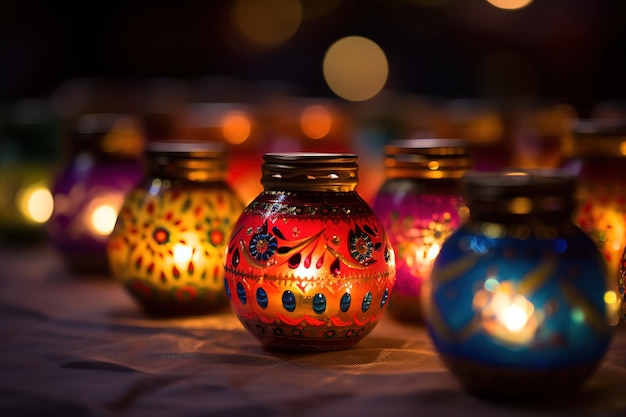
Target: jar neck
{"x":514,"y":212}
{"x":598,"y":139}
{"x":194,"y":162}
{"x":302,"y":171}
{"x":539,"y":197}
{"x":427,"y":159}
{"x":106,"y":137}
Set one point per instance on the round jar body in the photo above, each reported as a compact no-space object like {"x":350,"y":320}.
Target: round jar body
{"x":518,"y":306}
{"x":309,"y":271}
{"x":309,"y":266}
{"x":169,"y":240}
{"x":88,"y":194}
{"x":102,"y":163}
{"x":168,"y":245}
{"x":418,"y":215}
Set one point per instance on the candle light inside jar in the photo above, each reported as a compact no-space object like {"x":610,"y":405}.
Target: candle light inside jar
{"x":101,"y":218}
{"x":168,"y":242}
{"x":420,"y":206}
{"x":505,"y":314}
{"x":518,"y":303}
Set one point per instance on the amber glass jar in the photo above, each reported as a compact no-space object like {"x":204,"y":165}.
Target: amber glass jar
{"x":309,"y":266}
{"x":168,"y":244}
{"x":419,"y":204}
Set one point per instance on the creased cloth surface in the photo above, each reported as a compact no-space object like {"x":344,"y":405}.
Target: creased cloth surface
{"x":78,"y":346}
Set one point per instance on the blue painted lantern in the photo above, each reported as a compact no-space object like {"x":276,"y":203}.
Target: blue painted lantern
{"x":517,"y":305}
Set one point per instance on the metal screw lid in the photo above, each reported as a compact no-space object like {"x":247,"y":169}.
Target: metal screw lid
{"x":187,"y":160}
{"x":502,"y":195}
{"x":306,"y":171}
{"x":599,"y":138}
{"x":427,"y":158}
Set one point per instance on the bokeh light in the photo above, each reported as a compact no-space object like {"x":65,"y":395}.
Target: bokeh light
{"x":355,"y":68}
{"x":236,"y":127}
{"x":510,"y":4}
{"x":268,"y":22}
{"x":36,"y":203}
{"x":316,"y":121}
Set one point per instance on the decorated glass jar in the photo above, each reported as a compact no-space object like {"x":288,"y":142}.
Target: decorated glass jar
{"x":419,"y":204}
{"x":167,"y":247}
{"x":517,"y":304}
{"x":599,"y":150}
{"x":100,"y":164}
{"x":309,"y":266}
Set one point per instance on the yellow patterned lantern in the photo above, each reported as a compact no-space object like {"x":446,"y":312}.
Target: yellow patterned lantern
{"x":168,"y":244}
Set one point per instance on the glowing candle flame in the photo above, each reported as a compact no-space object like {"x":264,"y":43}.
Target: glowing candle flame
{"x":182,"y":253}
{"x":515,"y":315}
{"x":433,"y":251}
{"x":506,"y":315}
{"x":102,"y":219}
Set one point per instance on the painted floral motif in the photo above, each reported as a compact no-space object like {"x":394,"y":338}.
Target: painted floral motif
{"x":262,"y":246}
{"x":417,"y":224}
{"x":361,"y":246}
{"x":168,"y":247}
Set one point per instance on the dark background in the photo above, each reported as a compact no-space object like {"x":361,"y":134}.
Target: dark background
{"x":567,"y":50}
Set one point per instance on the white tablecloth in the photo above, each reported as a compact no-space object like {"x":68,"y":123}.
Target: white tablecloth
{"x":79,"y":346}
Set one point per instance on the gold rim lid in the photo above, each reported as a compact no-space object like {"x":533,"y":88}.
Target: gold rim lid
{"x":427,"y":158}
{"x":310,"y":171}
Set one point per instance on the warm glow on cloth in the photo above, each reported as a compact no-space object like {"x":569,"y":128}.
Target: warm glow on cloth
{"x":85,"y":344}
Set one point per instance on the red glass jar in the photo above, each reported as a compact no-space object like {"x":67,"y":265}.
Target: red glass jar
{"x":309,"y":266}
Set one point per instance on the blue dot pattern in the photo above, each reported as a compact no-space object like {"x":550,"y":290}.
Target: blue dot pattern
{"x":289,"y":301}
{"x":367,"y":301}
{"x":261,"y":298}
{"x":344,"y":304}
{"x":241,"y":293}
{"x":319,"y":303}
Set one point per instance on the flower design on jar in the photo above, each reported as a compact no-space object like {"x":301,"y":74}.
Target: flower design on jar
{"x":161,"y":235}
{"x":263,"y":246}
{"x":361,"y":245}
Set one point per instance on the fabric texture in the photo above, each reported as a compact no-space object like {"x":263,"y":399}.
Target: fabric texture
{"x":79,"y":346}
